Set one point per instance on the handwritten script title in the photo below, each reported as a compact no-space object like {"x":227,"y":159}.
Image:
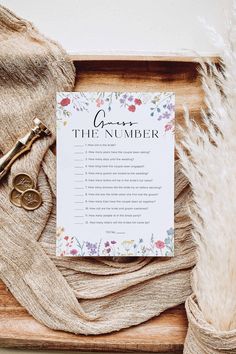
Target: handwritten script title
{"x":100,"y":124}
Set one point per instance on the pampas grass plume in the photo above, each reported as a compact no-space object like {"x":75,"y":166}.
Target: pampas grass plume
{"x":208,"y":158}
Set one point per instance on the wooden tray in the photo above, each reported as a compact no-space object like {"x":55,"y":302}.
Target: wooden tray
{"x":166,"y":332}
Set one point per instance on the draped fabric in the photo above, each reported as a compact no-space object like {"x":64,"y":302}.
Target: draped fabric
{"x":79,"y":295}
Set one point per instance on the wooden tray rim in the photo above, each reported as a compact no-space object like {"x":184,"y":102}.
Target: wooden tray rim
{"x":169,"y":57}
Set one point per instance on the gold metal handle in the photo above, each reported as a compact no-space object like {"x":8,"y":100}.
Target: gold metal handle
{"x":22,"y":145}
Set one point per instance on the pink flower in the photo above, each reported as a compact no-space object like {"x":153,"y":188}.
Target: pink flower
{"x":168,"y":127}
{"x":66,"y":238}
{"x":132,"y":108}
{"x":73,"y":252}
{"x":137,"y":101}
{"x":65,"y":101}
{"x":99,"y":102}
{"x":160,"y":244}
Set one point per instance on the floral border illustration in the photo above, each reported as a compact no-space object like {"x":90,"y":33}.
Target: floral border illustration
{"x":162,"y":107}
{"x":75,"y":246}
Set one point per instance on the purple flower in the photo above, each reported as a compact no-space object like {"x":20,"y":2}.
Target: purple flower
{"x":92,"y":247}
{"x":170,"y":106}
{"x":113,"y":242}
{"x":166,"y":115}
{"x":130,"y":98}
{"x":107,"y":244}
{"x":93,"y":251}
{"x":108,"y":250}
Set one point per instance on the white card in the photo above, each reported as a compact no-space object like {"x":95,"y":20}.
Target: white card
{"x":115,"y":174}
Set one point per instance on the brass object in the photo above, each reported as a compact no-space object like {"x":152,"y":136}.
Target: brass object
{"x":22,"y":182}
{"x":31,"y":199}
{"x":23,"y":194}
{"x":22,"y":145}
{"x":15,"y":197}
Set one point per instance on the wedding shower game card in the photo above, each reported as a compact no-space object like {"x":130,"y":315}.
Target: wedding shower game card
{"x":115,"y":174}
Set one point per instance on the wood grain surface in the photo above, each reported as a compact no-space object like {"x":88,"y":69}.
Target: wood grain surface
{"x":18,"y":329}
{"x":163,"y":56}
{"x":166,"y":332}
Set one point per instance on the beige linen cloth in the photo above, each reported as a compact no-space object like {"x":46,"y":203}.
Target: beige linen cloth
{"x":79,"y":295}
{"x":202,"y":337}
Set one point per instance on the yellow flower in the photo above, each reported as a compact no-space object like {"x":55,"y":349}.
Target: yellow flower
{"x":127,"y":242}
{"x":59,"y":231}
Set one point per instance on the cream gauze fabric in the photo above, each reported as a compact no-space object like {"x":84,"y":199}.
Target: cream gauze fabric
{"x":202,"y":337}
{"x":79,"y":295}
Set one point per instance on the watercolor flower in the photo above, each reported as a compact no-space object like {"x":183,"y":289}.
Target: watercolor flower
{"x":170,"y":231}
{"x":137,"y":101}
{"x":99,"y":102}
{"x":113,"y":242}
{"x":132,"y":108}
{"x":59,"y":231}
{"x":107,"y":244}
{"x":92,"y":248}
{"x":73,"y":252}
{"x":127,"y":244}
{"x":65,"y":101}
{"x":160,"y":244}
{"x":168,"y":127}
{"x":66,"y":238}
{"x":170,"y":106}
{"x":166,"y":115}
